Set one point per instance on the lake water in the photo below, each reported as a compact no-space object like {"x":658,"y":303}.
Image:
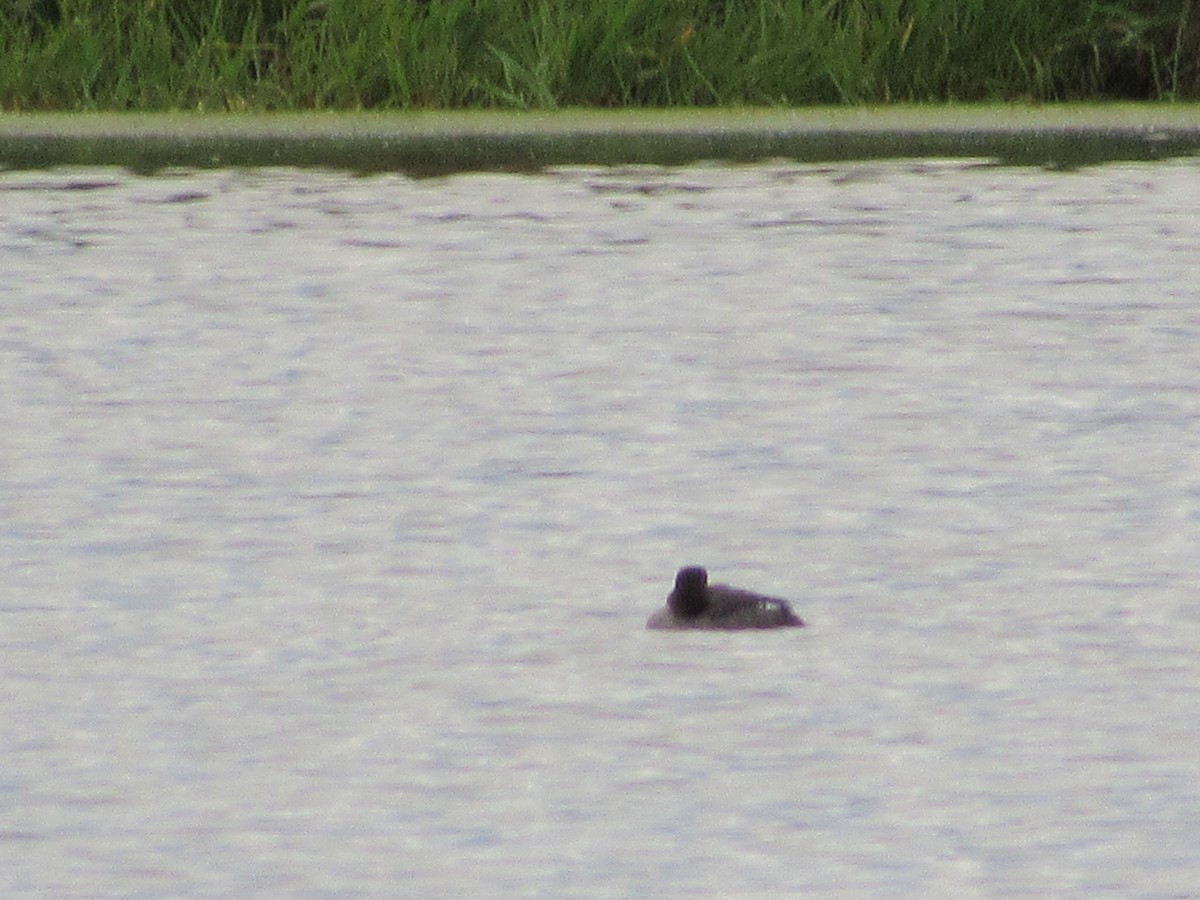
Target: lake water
{"x":332,"y":510}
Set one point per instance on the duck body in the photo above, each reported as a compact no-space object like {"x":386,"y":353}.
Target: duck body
{"x":694,"y":603}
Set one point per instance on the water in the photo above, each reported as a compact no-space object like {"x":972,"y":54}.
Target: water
{"x":333,"y":509}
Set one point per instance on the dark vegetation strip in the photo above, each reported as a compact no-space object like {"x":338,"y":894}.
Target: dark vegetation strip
{"x":402,"y":54}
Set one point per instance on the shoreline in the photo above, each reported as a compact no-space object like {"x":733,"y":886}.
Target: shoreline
{"x":427,"y":143}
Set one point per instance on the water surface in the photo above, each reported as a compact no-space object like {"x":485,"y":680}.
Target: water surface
{"x":332,"y":510}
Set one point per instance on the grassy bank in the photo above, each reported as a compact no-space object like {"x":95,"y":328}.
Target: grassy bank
{"x":394,"y":54}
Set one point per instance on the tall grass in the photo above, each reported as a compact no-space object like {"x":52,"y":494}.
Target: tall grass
{"x":346,"y":54}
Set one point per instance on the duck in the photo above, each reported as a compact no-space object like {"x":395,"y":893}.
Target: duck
{"x":694,"y":603}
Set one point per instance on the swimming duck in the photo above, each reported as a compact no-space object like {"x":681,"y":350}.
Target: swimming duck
{"x":694,"y":603}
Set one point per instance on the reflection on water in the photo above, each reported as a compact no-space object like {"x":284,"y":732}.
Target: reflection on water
{"x":333,"y":509}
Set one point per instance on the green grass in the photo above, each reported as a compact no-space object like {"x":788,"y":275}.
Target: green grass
{"x":396,"y":54}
